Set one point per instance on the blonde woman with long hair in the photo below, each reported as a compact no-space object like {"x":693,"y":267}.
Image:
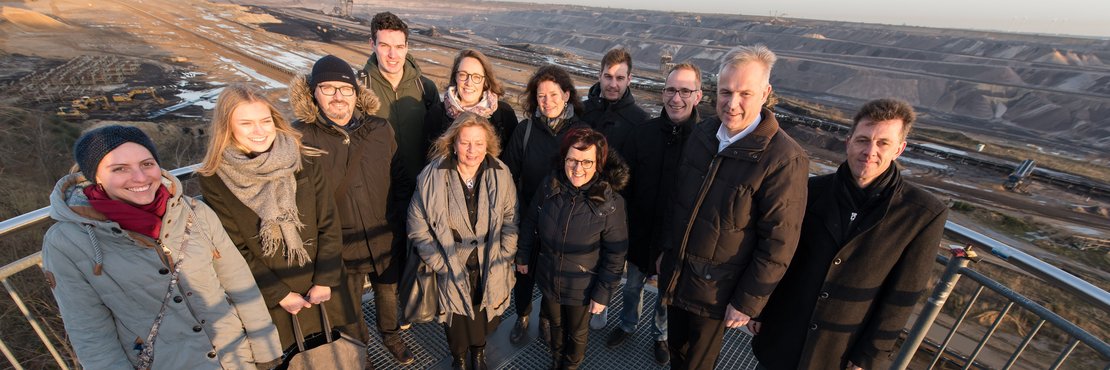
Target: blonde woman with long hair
{"x":270,"y":194}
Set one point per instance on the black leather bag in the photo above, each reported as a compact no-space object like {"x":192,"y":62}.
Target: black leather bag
{"x":418,"y":291}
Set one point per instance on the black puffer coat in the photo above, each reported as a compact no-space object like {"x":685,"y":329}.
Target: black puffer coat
{"x":616,"y":120}
{"x":581,"y":236}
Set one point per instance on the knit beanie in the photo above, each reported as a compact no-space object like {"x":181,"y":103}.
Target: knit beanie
{"x":95,"y":144}
{"x":331,"y":68}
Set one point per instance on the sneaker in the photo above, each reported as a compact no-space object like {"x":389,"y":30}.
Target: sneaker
{"x":400,"y":351}
{"x":662,"y":352}
{"x":520,"y":330}
{"x":598,"y":321}
{"x":617,"y":338}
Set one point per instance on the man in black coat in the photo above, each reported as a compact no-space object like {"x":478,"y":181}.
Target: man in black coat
{"x":737,"y":213}
{"x":337,"y":115}
{"x":869,"y":239}
{"x":610,"y":107}
{"x":654,"y":151}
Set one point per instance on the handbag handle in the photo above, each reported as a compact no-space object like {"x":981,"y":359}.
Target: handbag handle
{"x":299,"y":335}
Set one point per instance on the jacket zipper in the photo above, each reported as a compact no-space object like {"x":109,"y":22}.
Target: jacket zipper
{"x":709,"y":177}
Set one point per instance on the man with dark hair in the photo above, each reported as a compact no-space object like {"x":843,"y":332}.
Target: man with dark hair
{"x":868,"y":241}
{"x":405,"y":96}
{"x":336,"y":114}
{"x":653,"y":152}
{"x":737,"y":213}
{"x":610,"y":107}
{"x":404,"y":92}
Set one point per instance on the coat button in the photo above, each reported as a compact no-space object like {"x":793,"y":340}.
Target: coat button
{"x":163,"y":271}
{"x":189,"y":294}
{"x":813,"y":326}
{"x":211,"y":354}
{"x":177,"y":299}
{"x":837,"y":261}
{"x":824,"y":295}
{"x":197,"y":329}
{"x":708,"y":276}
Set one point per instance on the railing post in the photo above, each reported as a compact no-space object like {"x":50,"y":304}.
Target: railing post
{"x":960,"y":258}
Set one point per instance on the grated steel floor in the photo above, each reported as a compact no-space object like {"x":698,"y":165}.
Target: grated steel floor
{"x":429,"y":344}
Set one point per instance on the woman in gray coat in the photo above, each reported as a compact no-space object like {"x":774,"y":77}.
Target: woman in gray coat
{"x":146,"y":277}
{"x":462,"y":222}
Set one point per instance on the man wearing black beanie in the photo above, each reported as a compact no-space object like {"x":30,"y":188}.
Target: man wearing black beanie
{"x":337,"y":115}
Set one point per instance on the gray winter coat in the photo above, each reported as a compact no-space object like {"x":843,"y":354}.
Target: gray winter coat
{"x":216,"y":318}
{"x":440,"y":230}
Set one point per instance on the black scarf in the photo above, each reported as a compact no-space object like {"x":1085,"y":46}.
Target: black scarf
{"x":855,"y":203}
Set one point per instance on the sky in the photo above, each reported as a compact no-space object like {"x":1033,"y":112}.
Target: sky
{"x":1067,"y":17}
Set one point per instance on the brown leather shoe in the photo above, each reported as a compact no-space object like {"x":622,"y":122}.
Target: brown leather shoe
{"x":400,"y":351}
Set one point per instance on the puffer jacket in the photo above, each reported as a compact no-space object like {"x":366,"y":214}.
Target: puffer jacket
{"x":371,"y":206}
{"x":216,"y":318}
{"x":532,"y":160}
{"x":404,"y":108}
{"x":581,"y":236}
{"x":440,"y":230}
{"x":737,"y":215}
{"x":616,"y":120}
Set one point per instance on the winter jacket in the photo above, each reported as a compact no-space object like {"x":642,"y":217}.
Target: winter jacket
{"x":404,"y":108}
{"x":532,"y":161}
{"x":503,"y":119}
{"x":849,"y":302}
{"x":441,"y":231}
{"x":275,"y":276}
{"x":616,"y":120}
{"x":653,"y":154}
{"x":216,"y":317}
{"x":737,"y":217}
{"x":581,"y":236}
{"x":372,"y":202}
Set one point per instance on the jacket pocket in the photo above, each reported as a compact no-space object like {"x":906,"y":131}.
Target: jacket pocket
{"x":739,"y":208}
{"x":707,"y":283}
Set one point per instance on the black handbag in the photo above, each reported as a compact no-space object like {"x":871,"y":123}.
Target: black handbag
{"x":329,"y":350}
{"x":418,"y":291}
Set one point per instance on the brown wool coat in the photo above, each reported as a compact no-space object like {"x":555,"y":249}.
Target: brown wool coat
{"x":275,"y":277}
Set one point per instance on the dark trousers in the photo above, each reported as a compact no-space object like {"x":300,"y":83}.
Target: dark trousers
{"x":695,"y":341}
{"x":464,"y":333}
{"x":569,"y":331}
{"x":385,"y":297}
{"x":358,"y":328}
{"x":522,"y":293}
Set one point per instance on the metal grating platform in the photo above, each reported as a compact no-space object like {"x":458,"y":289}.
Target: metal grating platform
{"x":429,"y":344}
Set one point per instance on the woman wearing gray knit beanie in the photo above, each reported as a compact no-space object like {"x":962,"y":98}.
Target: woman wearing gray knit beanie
{"x":145,"y":277}
{"x":279,"y":209}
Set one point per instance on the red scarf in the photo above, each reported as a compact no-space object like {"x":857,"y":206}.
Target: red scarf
{"x":146,"y":220}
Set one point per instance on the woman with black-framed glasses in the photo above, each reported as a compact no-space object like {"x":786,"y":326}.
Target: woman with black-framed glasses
{"x":576,"y":224}
{"x":473,"y":87}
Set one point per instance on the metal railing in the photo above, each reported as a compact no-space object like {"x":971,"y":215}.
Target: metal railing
{"x":956,"y":266}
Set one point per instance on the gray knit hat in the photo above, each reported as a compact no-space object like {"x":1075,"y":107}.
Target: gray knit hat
{"x":95,"y":144}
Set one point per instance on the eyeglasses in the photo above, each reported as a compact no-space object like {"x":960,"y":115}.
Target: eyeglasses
{"x":684,"y":93}
{"x":586,"y":164}
{"x":330,"y":90}
{"x":473,"y":77}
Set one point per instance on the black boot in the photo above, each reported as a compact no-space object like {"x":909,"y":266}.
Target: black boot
{"x":478,"y":358}
{"x":458,"y":362}
{"x":520,"y":330}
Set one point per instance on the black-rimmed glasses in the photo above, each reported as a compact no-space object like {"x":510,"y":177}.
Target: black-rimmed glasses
{"x":586,"y":164}
{"x":330,"y":90}
{"x":684,"y":93}
{"x":473,"y":77}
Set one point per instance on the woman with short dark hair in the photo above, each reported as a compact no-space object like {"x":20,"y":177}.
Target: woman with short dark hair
{"x":576,"y":225}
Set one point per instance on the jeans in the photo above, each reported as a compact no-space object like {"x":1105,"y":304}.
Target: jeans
{"x":633,"y":293}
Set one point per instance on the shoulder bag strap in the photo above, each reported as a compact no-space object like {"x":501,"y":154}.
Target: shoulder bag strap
{"x":146,"y":357}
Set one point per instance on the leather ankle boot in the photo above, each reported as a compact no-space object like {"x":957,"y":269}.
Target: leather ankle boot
{"x":478,"y":358}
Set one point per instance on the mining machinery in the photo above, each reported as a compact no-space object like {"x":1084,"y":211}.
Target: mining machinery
{"x":130,"y":95}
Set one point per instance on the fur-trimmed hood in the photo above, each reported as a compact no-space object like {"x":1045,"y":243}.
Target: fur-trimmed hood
{"x":611,"y":179}
{"x":304,"y":104}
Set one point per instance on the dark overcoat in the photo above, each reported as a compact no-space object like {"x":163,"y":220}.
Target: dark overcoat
{"x":616,"y":120}
{"x":852,"y":306}
{"x":503,"y":119}
{"x":737,"y":217}
{"x":275,"y":277}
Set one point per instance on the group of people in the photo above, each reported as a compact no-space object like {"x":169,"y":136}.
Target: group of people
{"x":297,"y":216}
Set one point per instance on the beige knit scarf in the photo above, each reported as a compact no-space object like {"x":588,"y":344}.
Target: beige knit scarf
{"x":266,"y":184}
